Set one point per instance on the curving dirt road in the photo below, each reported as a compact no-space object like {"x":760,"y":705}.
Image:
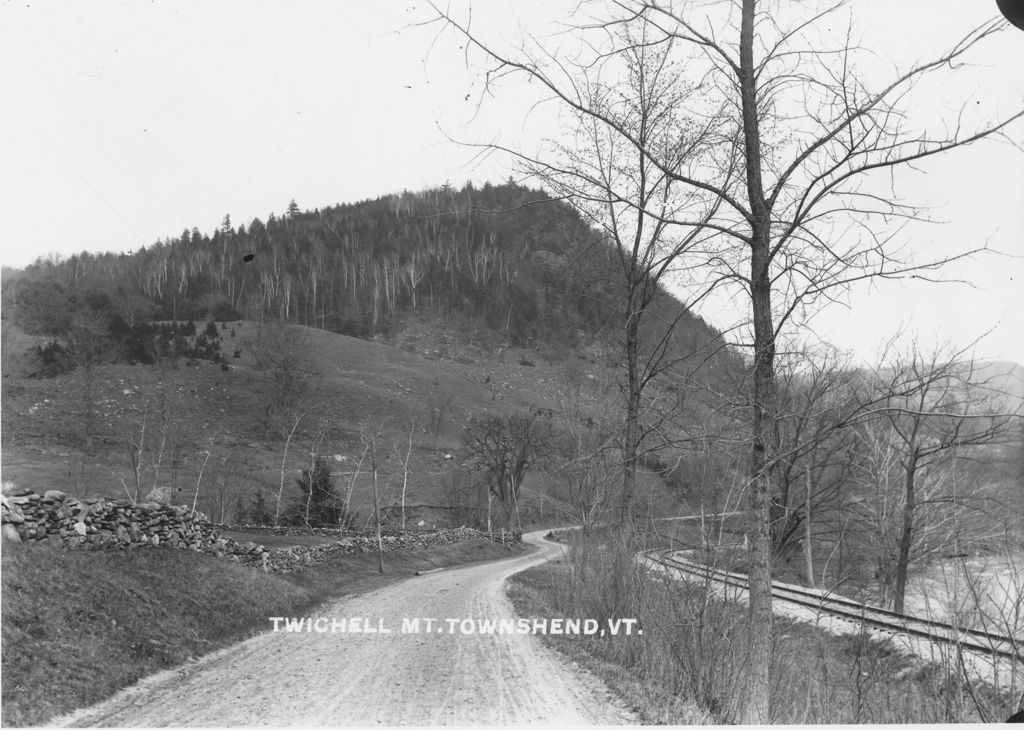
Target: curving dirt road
{"x":397,"y":678}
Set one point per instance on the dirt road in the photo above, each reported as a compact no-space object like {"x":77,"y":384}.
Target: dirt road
{"x":444,"y":677}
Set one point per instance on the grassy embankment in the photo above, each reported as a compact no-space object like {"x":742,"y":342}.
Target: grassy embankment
{"x":78,"y":626}
{"x":688,"y":665}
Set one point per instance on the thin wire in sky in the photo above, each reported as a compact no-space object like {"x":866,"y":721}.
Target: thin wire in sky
{"x":93,"y":190}
{"x":113,"y":159}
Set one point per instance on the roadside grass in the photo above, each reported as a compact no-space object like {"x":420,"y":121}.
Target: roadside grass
{"x":688,"y":666}
{"x":535,"y":594}
{"x":78,"y":626}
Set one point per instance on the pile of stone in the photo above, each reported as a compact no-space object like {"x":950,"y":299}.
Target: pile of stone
{"x":100,"y":523}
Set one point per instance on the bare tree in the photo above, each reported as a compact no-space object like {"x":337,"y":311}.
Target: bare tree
{"x":933,"y":409}
{"x":584,"y":457}
{"x":87,"y":344}
{"x":284,"y":462}
{"x":354,"y":475}
{"x":281,"y":353}
{"x":404,"y":461}
{"x":995,"y":602}
{"x":207,"y":453}
{"x":585,"y":464}
{"x":232,"y":479}
{"x":316,"y":479}
{"x":462,"y":498}
{"x":149,"y":435}
{"x":136,"y":448}
{"x":438,"y":405}
{"x":369,"y":438}
{"x":795,"y":141}
{"x":504,"y":447}
{"x":651,"y":222}
{"x":816,"y":410}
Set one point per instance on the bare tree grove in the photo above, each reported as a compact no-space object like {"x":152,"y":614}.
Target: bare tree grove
{"x":747,"y":148}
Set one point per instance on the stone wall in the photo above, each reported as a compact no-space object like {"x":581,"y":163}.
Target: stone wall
{"x":97,"y":524}
{"x":286,"y":560}
{"x":101,"y":523}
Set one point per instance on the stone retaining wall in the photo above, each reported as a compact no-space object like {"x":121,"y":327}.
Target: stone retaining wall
{"x":96,"y":524}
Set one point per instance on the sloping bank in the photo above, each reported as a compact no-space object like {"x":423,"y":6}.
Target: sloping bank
{"x":80,"y":624}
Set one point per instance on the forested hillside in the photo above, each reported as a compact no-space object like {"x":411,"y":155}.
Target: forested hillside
{"x":521,"y":264}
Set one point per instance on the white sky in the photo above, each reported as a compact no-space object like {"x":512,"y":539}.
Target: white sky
{"x":125,"y":122}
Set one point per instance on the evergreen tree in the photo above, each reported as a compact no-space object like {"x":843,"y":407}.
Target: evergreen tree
{"x":318,"y":504}
{"x":259,"y":511}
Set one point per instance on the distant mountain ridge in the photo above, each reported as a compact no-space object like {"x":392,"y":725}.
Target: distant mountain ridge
{"x":1002,"y":377}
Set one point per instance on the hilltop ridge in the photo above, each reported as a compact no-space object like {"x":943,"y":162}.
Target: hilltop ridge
{"x":510,"y":259}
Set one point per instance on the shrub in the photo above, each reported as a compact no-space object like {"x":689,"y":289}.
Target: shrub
{"x":259,"y":510}
{"x":49,"y":360}
{"x":223,"y":311}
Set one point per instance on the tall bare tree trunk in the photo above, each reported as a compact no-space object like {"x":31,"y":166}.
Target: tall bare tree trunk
{"x":376,"y":506}
{"x":284,"y":461}
{"x":490,"y":530}
{"x":808,"y":554}
{"x":756,"y":703}
{"x":632,"y":431}
{"x":906,"y":537}
{"x":89,"y":401}
{"x":405,"y":469}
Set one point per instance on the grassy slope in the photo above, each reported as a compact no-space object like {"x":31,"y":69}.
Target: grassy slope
{"x":78,"y":626}
{"x":361,"y":383}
